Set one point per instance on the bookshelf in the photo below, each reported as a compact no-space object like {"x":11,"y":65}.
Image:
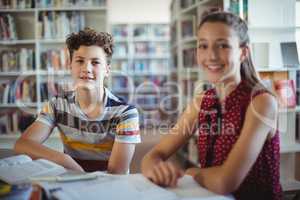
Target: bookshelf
{"x":141,"y":68}
{"x":32,"y":57}
{"x":270,"y":34}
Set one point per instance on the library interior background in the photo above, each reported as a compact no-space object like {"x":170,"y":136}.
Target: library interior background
{"x":153,"y":65}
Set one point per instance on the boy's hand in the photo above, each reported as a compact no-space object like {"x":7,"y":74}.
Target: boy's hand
{"x":165,"y":174}
{"x":71,"y":164}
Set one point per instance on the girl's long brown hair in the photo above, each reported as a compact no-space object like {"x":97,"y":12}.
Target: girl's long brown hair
{"x":248,"y":72}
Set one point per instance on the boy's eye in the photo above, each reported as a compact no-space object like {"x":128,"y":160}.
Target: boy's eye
{"x":223,"y":46}
{"x":202,"y":46}
{"x":95,"y":62}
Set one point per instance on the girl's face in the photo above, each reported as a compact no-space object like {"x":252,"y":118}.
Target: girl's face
{"x":219,"y":53}
{"x":89,"y":67}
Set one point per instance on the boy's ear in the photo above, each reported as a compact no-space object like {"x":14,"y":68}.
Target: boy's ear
{"x":107,"y":70}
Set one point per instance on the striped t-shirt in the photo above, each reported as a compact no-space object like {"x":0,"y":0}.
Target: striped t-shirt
{"x":91,"y":139}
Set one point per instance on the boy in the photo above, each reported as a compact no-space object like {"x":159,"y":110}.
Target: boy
{"x":98,"y":130}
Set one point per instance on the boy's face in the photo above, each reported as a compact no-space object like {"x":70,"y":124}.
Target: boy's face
{"x":89,"y":67}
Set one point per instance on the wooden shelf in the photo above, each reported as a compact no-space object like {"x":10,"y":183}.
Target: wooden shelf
{"x":54,"y":72}
{"x":151,"y":39}
{"x":290,"y":148}
{"x":51,"y":41}
{"x":5,"y":10}
{"x":18,"y":42}
{"x":271,"y":28}
{"x":278,"y":69}
{"x":72,"y":8}
{"x":139,"y":57}
{"x":25,"y":73}
{"x":290,"y":185}
{"x":189,"y":40}
{"x":288,"y":110}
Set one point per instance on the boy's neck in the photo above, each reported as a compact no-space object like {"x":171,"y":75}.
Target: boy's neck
{"x":90,"y":102}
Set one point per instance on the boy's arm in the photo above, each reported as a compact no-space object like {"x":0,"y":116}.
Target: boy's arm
{"x":30,"y":143}
{"x":127,"y":135}
{"x":120,"y":158}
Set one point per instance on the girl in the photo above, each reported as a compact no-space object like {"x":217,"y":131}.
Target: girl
{"x":238,"y":141}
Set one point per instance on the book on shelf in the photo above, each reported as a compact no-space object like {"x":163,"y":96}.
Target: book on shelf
{"x":188,"y":87}
{"x":121,"y":50}
{"x":189,"y":57}
{"x":17,"y":60}
{"x":140,"y":31}
{"x":240,"y":8}
{"x":119,"y":83}
{"x":54,"y":59}
{"x":120,"y":65}
{"x":234,"y":7}
{"x":286,"y":93}
{"x":160,"y":31}
{"x":297,"y":127}
{"x":188,"y":27}
{"x":158,"y":48}
{"x":7,"y":27}
{"x":140,"y":66}
{"x":289,"y":54}
{"x":298,"y":87}
{"x":16,"y":4}
{"x":141,"y":48}
{"x":16,"y":91}
{"x":173,"y":34}
{"x":274,"y":75}
{"x":186,"y":3}
{"x":260,"y":54}
{"x":120,"y":31}
{"x":56,"y":25}
{"x":13,"y":122}
{"x":159,"y":66}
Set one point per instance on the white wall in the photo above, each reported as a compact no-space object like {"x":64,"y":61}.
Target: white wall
{"x":139,"y":11}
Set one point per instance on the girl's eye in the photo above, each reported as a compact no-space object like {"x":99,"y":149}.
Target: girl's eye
{"x":79,"y":61}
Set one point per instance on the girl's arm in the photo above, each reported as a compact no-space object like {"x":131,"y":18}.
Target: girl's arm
{"x":154,"y":166}
{"x":260,"y":121}
{"x":120,"y":158}
{"x":30,"y":143}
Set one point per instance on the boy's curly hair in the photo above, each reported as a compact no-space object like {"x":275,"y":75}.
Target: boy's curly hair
{"x":89,"y":37}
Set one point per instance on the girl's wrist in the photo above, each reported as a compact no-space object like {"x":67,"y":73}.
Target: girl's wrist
{"x":192,"y":171}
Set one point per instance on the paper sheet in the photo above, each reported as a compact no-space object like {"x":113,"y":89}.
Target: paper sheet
{"x":133,"y":187}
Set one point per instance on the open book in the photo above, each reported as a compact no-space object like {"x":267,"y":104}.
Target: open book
{"x":21,"y":168}
{"x":132,"y":186}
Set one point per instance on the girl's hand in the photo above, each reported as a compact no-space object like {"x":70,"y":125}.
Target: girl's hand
{"x":192,"y":171}
{"x":165,"y":174}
